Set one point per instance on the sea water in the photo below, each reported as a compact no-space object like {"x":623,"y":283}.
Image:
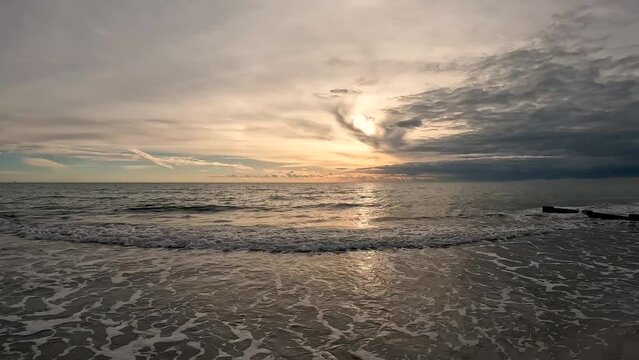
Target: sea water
{"x":318,"y":271}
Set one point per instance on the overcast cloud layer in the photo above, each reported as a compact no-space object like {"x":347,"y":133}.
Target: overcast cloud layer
{"x":326,"y":90}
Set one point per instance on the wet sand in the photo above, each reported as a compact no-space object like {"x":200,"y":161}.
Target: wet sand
{"x":571,"y":294}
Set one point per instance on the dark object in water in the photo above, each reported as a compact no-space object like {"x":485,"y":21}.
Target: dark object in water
{"x":558,"y":210}
{"x":604,"y":216}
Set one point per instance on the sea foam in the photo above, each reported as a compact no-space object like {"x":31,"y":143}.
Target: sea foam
{"x":273,"y":239}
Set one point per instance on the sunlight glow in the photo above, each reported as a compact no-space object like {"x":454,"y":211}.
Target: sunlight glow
{"x":365,"y":124}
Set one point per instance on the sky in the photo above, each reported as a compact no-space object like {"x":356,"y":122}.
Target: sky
{"x":324,"y":90}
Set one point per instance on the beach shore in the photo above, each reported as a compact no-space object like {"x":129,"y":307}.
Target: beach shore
{"x":566,"y":295}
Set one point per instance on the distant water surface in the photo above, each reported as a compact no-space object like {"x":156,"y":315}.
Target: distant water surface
{"x":301,"y":217}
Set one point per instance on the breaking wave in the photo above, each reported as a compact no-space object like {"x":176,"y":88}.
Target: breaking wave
{"x":268,"y":238}
{"x":294,"y":218}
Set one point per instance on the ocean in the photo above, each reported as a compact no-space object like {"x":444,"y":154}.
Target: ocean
{"x":402,"y":270}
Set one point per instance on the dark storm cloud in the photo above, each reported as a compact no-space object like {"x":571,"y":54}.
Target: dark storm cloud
{"x":413,"y":123}
{"x":566,"y":104}
{"x":514,"y":168}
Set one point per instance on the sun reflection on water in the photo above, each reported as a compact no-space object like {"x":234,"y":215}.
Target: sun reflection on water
{"x":371,"y":272}
{"x":368,"y":195}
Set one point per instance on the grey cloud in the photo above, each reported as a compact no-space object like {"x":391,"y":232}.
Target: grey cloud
{"x":17,"y":131}
{"x":514,"y":169}
{"x":566,"y":96}
{"x":412,"y":123}
{"x":343,"y":91}
{"x":139,"y":52}
{"x":395,"y":65}
{"x":337,"y":93}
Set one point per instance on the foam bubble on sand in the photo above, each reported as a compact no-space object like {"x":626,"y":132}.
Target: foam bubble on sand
{"x":132,"y":300}
{"x":366,"y":355}
{"x":128,"y":351}
{"x":38,"y":325}
{"x":242,"y":335}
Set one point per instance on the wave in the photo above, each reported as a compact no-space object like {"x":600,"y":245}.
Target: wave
{"x":342,"y":205}
{"x":404,"y":218}
{"x":265,"y":238}
{"x":183,"y":208}
{"x":220,"y":235}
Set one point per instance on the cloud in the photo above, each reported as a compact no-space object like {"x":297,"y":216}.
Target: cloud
{"x":513,"y":168}
{"x":342,"y":114}
{"x":136,"y":167}
{"x":151,"y":158}
{"x":170,"y":161}
{"x":344,"y":91}
{"x":293,"y":128}
{"x":366,"y":82}
{"x":565,"y":93}
{"x":408,"y":124}
{"x":564,"y":104}
{"x":44,"y":163}
{"x":338,"y":93}
{"x":184,"y":161}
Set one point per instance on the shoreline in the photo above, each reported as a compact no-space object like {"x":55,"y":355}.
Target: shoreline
{"x":539,"y":297}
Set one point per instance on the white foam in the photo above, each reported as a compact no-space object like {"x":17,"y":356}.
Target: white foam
{"x":366,"y":355}
{"x":134,"y":297}
{"x":128,"y":351}
{"x":264,"y":238}
{"x":308,"y":239}
{"x":242,"y":335}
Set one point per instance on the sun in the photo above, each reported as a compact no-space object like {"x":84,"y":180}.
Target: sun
{"x":365,"y":124}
